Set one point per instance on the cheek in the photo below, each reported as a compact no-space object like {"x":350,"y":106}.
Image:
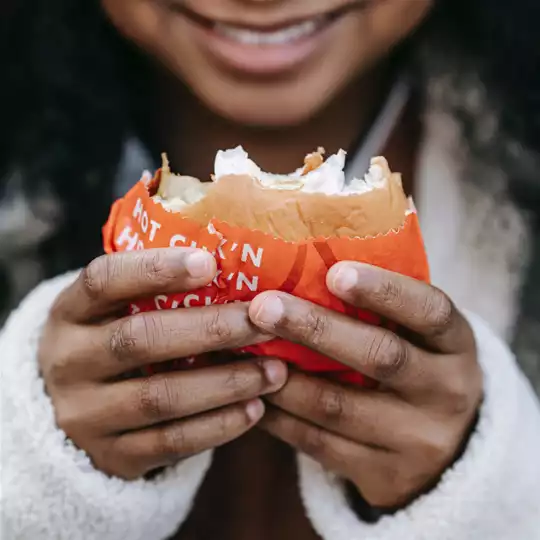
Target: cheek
{"x":159,"y":34}
{"x":140,"y":21}
{"x":394,"y":20}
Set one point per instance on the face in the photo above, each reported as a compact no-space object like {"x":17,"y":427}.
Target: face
{"x":267,"y":62}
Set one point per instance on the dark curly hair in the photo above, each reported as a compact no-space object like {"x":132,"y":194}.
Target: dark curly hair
{"x":72,"y":90}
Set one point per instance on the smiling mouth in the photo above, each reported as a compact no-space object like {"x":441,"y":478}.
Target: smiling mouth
{"x":275,"y":34}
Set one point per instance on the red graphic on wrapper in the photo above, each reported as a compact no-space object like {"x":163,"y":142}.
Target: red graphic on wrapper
{"x":250,"y":262}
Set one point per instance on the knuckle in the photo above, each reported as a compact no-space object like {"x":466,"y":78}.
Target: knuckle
{"x":115,"y":459}
{"x":68,"y":418}
{"x":389,"y":356}
{"x":154,"y":399}
{"x":389,"y":293}
{"x":331,"y":403}
{"x":434,"y":449}
{"x":148,"y":330}
{"x":96,"y":276}
{"x":57,"y":310}
{"x":217,"y":328}
{"x":420,"y":478}
{"x":238,"y":381}
{"x":226,"y":424}
{"x":402,"y":484}
{"x":438,"y":311}
{"x":406,"y":487}
{"x":316,"y":327}
{"x":171,"y":442}
{"x":58,"y":372}
{"x":53,"y":358}
{"x":127,"y":469}
{"x":123,"y":342}
{"x":459,"y":392}
{"x":312,"y":441}
{"x":153,"y":268}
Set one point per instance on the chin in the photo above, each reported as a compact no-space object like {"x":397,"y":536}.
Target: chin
{"x":266,"y":116}
{"x":273,"y":109}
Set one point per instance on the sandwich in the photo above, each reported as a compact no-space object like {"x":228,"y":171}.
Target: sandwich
{"x":273,"y":232}
{"x":312,"y":202}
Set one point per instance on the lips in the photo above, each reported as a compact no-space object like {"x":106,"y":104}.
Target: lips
{"x":318,"y":19}
{"x":263,"y":49}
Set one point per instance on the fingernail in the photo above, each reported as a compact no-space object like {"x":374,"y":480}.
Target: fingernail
{"x":344,"y":279}
{"x":255,"y":410}
{"x":270,"y":311}
{"x":199,"y":264}
{"x":275,"y":372}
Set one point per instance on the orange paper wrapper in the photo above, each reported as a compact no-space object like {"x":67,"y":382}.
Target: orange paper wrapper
{"x":250,"y":262}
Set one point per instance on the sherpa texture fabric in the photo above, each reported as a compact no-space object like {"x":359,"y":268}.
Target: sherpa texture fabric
{"x":50,"y":489}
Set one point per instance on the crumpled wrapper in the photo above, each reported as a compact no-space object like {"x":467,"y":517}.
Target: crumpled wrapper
{"x":250,"y":262}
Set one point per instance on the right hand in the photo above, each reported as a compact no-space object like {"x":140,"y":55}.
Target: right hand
{"x":130,"y":427}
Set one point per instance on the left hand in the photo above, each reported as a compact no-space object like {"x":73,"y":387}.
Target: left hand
{"x":394,"y":442}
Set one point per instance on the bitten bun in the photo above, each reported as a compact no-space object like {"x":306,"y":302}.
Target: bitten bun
{"x":312,"y":202}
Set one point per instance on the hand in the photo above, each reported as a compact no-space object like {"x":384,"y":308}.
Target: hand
{"x":134,"y":426}
{"x":394,"y":442}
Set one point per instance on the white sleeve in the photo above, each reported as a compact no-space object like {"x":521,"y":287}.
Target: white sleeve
{"x":49,"y":489}
{"x":492,"y":492}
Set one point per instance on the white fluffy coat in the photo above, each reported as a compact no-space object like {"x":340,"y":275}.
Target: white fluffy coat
{"x":49,"y":489}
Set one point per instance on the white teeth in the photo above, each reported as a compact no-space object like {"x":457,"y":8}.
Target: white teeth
{"x":280,"y":37}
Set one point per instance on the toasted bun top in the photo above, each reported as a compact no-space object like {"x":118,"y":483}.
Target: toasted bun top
{"x":314,"y":201}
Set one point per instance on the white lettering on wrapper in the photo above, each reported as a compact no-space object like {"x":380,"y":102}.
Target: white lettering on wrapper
{"x":158,"y":300}
{"x":127,"y":236}
{"x":161,"y":302}
{"x":181,"y":239}
{"x":256,"y":259}
{"x":138,"y":209}
{"x":141,"y":215}
{"x":144,"y":222}
{"x":177,"y":239}
{"x":242,"y":280}
{"x":220,"y":253}
{"x":216,"y":277}
{"x":189,"y":300}
{"x":154,"y":228}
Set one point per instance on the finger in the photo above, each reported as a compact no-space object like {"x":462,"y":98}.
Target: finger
{"x":114,"y":280}
{"x":322,"y":445}
{"x":367,"y":417}
{"x":159,"y":336}
{"x":332,"y":451}
{"x":139,"y":403}
{"x":137,"y":453}
{"x":377,"y":474}
{"x":412,"y":304}
{"x":373,"y":351}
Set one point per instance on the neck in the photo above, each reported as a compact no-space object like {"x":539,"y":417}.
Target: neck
{"x":191,"y":134}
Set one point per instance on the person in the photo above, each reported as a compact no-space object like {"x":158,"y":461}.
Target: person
{"x":445,"y":446}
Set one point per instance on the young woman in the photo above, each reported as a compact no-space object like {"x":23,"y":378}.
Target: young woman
{"x":446,"y":447}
